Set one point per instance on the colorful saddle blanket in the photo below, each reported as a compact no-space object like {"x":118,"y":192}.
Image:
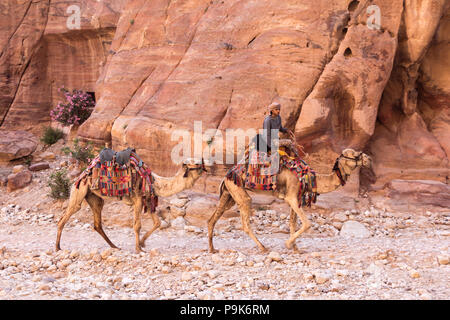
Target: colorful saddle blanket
{"x":307,"y":193}
{"x":261,"y":173}
{"x":116,"y":180}
{"x":258,"y":172}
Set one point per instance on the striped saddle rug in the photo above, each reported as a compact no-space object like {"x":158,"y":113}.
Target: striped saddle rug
{"x":307,"y":193}
{"x":114,"y":181}
{"x":118,"y":180}
{"x":255,"y":172}
{"x":261,"y":174}
{"x":258,"y":172}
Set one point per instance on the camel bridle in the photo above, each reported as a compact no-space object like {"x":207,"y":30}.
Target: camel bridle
{"x":344,"y":177}
{"x":200,"y":168}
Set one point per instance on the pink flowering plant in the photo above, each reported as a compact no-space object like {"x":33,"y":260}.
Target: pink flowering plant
{"x":78,"y":108}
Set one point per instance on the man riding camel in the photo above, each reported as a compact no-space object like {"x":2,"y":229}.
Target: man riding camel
{"x":273,"y":122}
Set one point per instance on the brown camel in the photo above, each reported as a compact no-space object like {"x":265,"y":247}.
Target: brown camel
{"x":287,"y":189}
{"x":164,"y":187}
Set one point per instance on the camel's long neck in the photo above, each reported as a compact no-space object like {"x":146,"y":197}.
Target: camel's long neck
{"x":166,"y":187}
{"x":327,"y":182}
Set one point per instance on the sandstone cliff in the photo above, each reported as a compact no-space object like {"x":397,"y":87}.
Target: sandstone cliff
{"x":40,"y":54}
{"x":157,"y":66}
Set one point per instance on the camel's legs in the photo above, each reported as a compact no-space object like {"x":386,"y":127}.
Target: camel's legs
{"x":76,"y":198}
{"x":137,"y":201}
{"x":292,"y":221}
{"x":225,"y":202}
{"x":293,"y":226}
{"x":244,"y":203}
{"x":245,"y":218}
{"x":293,"y":202}
{"x":96,"y":204}
{"x":156,"y":225}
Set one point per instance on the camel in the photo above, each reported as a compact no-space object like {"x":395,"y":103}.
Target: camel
{"x":163,"y":187}
{"x":287,"y":189}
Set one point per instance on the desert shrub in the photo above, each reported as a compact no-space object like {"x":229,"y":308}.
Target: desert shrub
{"x":28,"y":160}
{"x":59,"y":185}
{"x":80,"y":153}
{"x":78,"y":108}
{"x":51,"y":135}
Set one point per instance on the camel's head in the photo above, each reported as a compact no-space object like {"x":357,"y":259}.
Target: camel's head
{"x":348,"y":161}
{"x":352,"y":159}
{"x":193,"y":167}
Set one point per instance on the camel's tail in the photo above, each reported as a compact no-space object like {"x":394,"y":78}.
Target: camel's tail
{"x":221,"y":187}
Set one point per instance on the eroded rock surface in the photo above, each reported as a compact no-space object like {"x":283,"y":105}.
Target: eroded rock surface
{"x":158,"y":66}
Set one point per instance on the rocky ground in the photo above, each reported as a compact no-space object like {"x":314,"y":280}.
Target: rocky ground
{"x":363,"y":248}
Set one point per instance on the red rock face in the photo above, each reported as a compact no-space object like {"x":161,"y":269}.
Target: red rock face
{"x":420,"y":191}
{"x":411,"y":138}
{"x":22,"y":27}
{"x":158,"y":66}
{"x":41,"y":54}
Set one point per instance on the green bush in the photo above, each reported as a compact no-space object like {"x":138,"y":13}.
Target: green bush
{"x":51,"y":135}
{"x":28,"y":160}
{"x":82,"y":154}
{"x":59,"y":185}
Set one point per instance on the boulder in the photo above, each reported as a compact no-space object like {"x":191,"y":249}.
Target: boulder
{"x":39,"y":166}
{"x":201,"y":206}
{"x":443,"y":259}
{"x":418,"y":186}
{"x":18,"y":168}
{"x":420,"y":191}
{"x":340,"y":217}
{"x":178,"y":223}
{"x":274,"y":256}
{"x":354,"y":229}
{"x":177,"y":212}
{"x":46,"y":155}
{"x":177,"y":202}
{"x":19,"y":180}
{"x":3,"y":180}
{"x":16,"y":144}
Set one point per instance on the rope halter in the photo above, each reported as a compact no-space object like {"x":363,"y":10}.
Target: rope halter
{"x":344,"y":177}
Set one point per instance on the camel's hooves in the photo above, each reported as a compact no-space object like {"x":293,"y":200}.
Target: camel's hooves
{"x":264,"y":249}
{"x":288,"y":244}
{"x":297,"y":250}
{"x":142,"y":244}
{"x":213,"y":250}
{"x":139,"y":250}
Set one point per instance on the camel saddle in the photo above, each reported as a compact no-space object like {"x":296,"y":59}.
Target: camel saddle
{"x":255,"y":170}
{"x":121,"y":158}
{"x":115,"y":174}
